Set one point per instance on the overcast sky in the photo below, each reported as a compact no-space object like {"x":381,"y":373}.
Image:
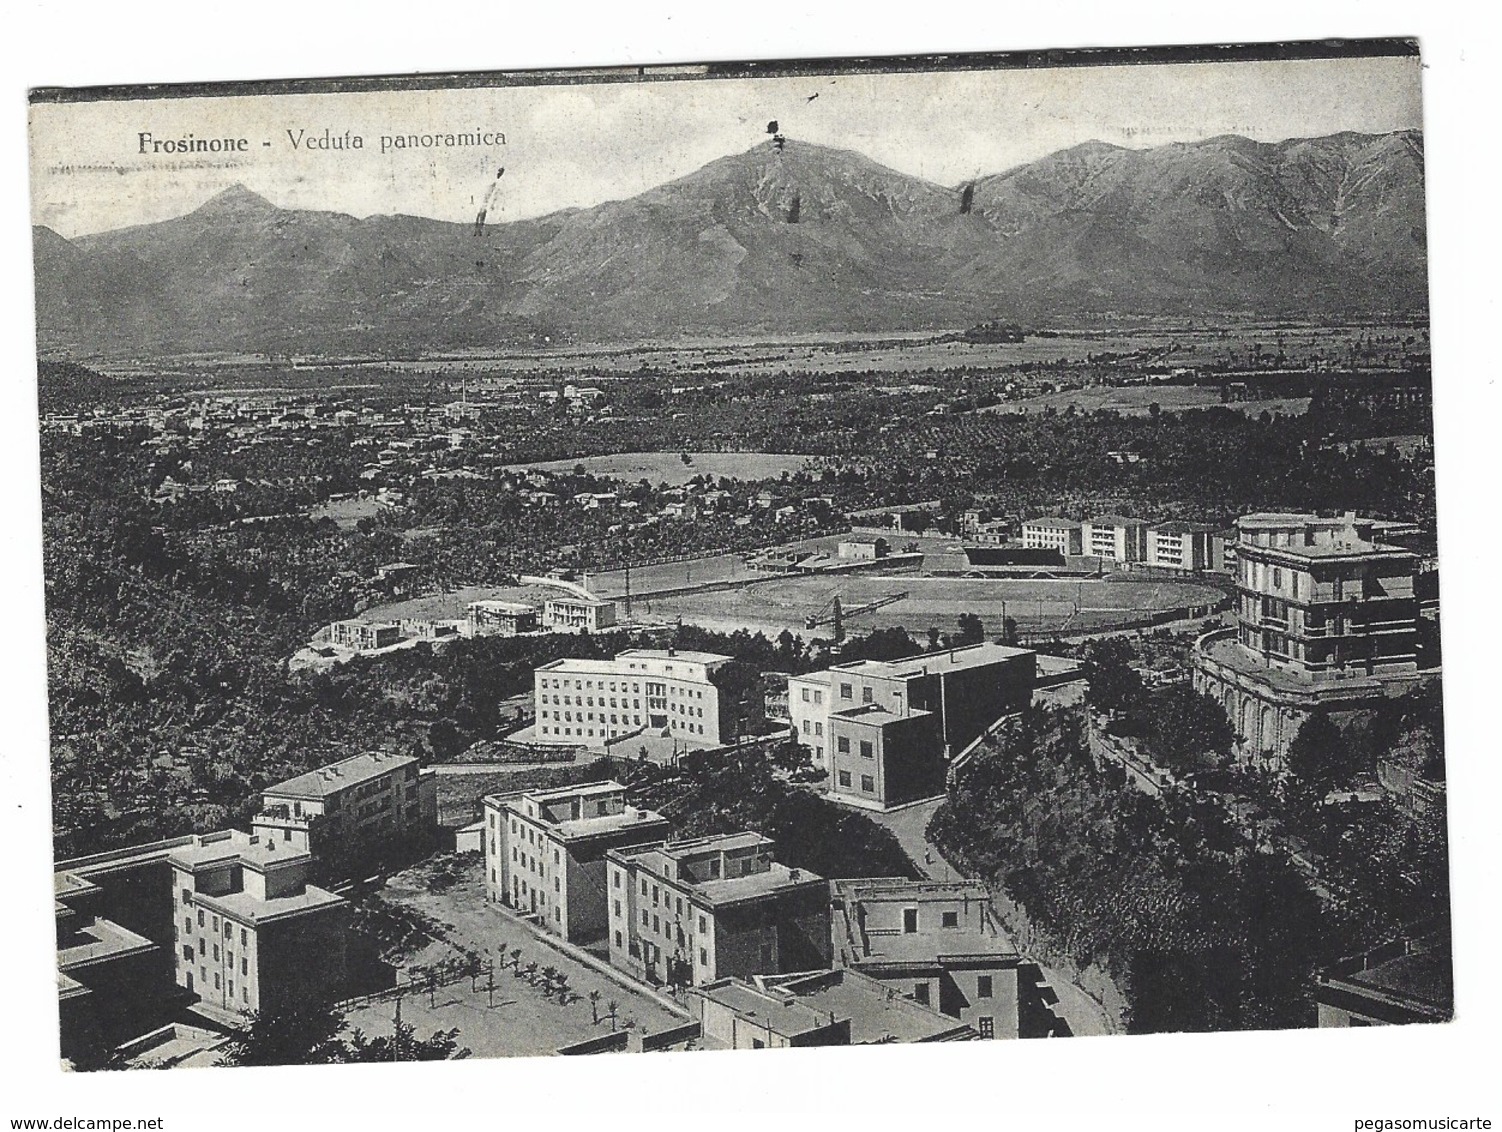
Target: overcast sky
{"x":578,"y":145}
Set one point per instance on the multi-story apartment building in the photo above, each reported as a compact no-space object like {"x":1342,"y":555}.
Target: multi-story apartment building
{"x":1325,"y":617}
{"x":252,"y":933}
{"x":934,"y":941}
{"x":690,"y":912}
{"x":572,"y":614}
{"x":363,"y":636}
{"x":590,"y":702}
{"x":500,"y":618}
{"x":1116,"y":538}
{"x":1049,"y":533}
{"x":346,"y":811}
{"x":885,"y":730}
{"x":545,"y":851}
{"x":1186,"y":547}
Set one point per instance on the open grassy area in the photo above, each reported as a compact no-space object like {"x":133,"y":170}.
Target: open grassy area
{"x":669,"y":468}
{"x":1137,"y":400}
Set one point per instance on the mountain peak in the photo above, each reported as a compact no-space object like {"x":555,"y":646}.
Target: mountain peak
{"x":236,"y":200}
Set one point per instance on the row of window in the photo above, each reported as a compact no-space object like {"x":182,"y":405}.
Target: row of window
{"x":589,"y":685}
{"x":868,"y":784}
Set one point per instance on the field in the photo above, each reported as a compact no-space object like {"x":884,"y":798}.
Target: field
{"x":346,"y":513}
{"x":1137,"y":400}
{"x":669,"y":468}
{"x":1036,"y":605}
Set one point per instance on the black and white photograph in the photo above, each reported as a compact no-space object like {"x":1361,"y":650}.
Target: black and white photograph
{"x":814,"y":552}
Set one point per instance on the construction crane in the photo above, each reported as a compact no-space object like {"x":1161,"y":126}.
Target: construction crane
{"x":831,"y":612}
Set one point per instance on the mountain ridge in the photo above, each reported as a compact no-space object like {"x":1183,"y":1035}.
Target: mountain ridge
{"x":806,"y":238}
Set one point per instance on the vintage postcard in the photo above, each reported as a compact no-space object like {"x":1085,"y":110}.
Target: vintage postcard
{"x":741,"y":556}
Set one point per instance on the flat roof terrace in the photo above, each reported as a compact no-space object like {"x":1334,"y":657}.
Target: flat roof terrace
{"x":337,"y":777}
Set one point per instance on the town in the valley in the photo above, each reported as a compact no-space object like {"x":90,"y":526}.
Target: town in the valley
{"x":464,"y":724}
{"x":885,"y":576}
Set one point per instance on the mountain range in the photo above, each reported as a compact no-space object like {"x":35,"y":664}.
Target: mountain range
{"x":802,"y":239}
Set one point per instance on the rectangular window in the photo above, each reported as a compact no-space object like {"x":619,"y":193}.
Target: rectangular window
{"x":187,"y":895}
{"x":868,"y":784}
{"x":843,"y":744}
{"x":244,"y":965}
{"x":703,"y":925}
{"x":844,"y":778}
{"x":617,"y":939}
{"x":847,"y":692}
{"x":909,"y":920}
{"x":983,"y":986}
{"x":867,"y":751}
{"x":200,"y":917}
{"x":987,"y":1027}
{"x":920,"y":993}
{"x":951,"y":919}
{"x":866,"y":694}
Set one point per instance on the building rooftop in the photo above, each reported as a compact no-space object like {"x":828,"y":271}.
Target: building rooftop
{"x":733,"y":890}
{"x":99,"y":942}
{"x":877,"y":1013}
{"x":949,"y":660}
{"x":244,"y":906}
{"x":252,"y":851}
{"x":1053,"y":523}
{"x":1180,"y":527}
{"x":1117,"y":521}
{"x":675,"y":654}
{"x":1345,"y":548}
{"x":782,"y":1012}
{"x":340,"y":776}
{"x":511,"y":607}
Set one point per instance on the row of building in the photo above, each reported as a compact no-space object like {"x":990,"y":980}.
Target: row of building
{"x":884,"y":732}
{"x":567,"y":613}
{"x":1172,"y":545}
{"x":718,"y":913}
{"x":229,"y":922}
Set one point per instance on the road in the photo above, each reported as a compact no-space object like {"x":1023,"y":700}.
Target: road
{"x":1085,"y":1016}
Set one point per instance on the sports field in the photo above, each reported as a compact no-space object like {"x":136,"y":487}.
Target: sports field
{"x":1036,"y":605}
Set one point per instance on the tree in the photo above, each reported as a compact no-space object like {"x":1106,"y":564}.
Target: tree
{"x":1113,"y":685}
{"x":302,"y":1033}
{"x":310,"y":1034}
{"x":971,"y":631}
{"x":404,"y":1045}
{"x":1321,"y":756}
{"x":1187,"y":730}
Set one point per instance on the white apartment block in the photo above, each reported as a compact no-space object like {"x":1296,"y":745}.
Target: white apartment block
{"x":663,"y":691}
{"x":545,"y":851}
{"x":251,"y":932}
